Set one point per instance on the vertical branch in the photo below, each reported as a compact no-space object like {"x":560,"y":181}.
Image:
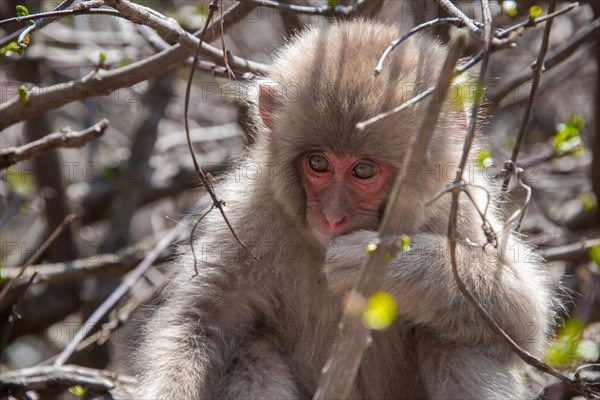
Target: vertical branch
{"x":340,"y":371}
{"x":487,"y":19}
{"x":539,"y":68}
{"x":492,"y":324}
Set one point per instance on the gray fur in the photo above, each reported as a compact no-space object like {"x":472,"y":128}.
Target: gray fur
{"x":245,"y":329}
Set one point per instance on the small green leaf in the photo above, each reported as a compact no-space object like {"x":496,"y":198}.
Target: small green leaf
{"x":567,"y":140}
{"x":576,"y":122}
{"x":534,"y":12}
{"x":509,"y":7}
{"x":10,"y":49}
{"x":23,"y":95}
{"x":22,"y":11}
{"x":331,"y":3}
{"x":484,"y":159}
{"x":380,"y":312}
{"x":77,"y":390}
{"x":101,"y":57}
{"x":371,"y":248}
{"x":20,"y":182}
{"x":594,"y":254}
{"x":109,"y":173}
{"x":588,"y":202}
{"x":573,"y":327}
{"x":463,"y":92}
{"x":403,"y":243}
{"x":562,"y":352}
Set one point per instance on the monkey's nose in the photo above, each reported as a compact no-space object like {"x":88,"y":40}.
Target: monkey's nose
{"x":335,"y":223}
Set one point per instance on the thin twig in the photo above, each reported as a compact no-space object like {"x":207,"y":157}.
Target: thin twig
{"x":570,"y":252}
{"x":470,"y":136}
{"x":100,"y":265}
{"x":120,"y":316}
{"x":532,"y":22}
{"x":65,"y":138}
{"x":234,"y":14}
{"x":104,"y":82}
{"x":426,"y":93}
{"x":13,"y":36}
{"x":14,"y":313}
{"x":451,"y":9}
{"x":39,"y":252}
{"x":363,"y":124}
{"x":556,"y":56}
{"x":539,"y":67}
{"x":57,"y":12}
{"x":452,"y":20}
{"x":128,"y":281}
{"x":203,"y":178}
{"x":492,"y":324}
{"x":230,"y":73}
{"x":171,"y":31}
{"x":49,"y":17}
{"x":326,"y":10}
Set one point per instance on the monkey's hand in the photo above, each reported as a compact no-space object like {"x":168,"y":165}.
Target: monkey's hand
{"x":345,"y":257}
{"x":511,"y":288}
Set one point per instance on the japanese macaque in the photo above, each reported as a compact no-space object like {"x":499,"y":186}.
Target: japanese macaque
{"x":258,"y":321}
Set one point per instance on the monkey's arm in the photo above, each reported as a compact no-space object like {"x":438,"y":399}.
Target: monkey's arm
{"x":511,"y":289}
{"x":191,"y":341}
{"x":457,"y":354}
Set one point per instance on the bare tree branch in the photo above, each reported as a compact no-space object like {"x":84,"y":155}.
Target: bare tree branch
{"x":38,"y":24}
{"x":64,"y":138}
{"x":100,"y":265}
{"x":104,"y":82}
{"x":116,"y":385}
{"x":537,"y":76}
{"x":572,"y":252}
{"x":555,"y":57}
{"x":38,"y":253}
{"x":452,"y":20}
{"x":128,"y":281}
{"x":326,"y":10}
{"x":171,"y":31}
{"x":531,"y":22}
{"x":456,"y":12}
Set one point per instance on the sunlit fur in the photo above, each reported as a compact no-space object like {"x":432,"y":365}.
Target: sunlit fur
{"x":248,"y":329}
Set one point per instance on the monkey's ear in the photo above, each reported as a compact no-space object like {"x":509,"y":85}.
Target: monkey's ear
{"x":268,"y":100}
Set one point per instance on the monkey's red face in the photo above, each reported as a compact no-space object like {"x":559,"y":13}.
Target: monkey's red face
{"x":344,"y":192}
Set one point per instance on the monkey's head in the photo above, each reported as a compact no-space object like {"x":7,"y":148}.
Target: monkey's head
{"x":334,"y":178}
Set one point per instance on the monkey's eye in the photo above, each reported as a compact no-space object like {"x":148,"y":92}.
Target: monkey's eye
{"x":318,"y":163}
{"x":364,"y":170}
